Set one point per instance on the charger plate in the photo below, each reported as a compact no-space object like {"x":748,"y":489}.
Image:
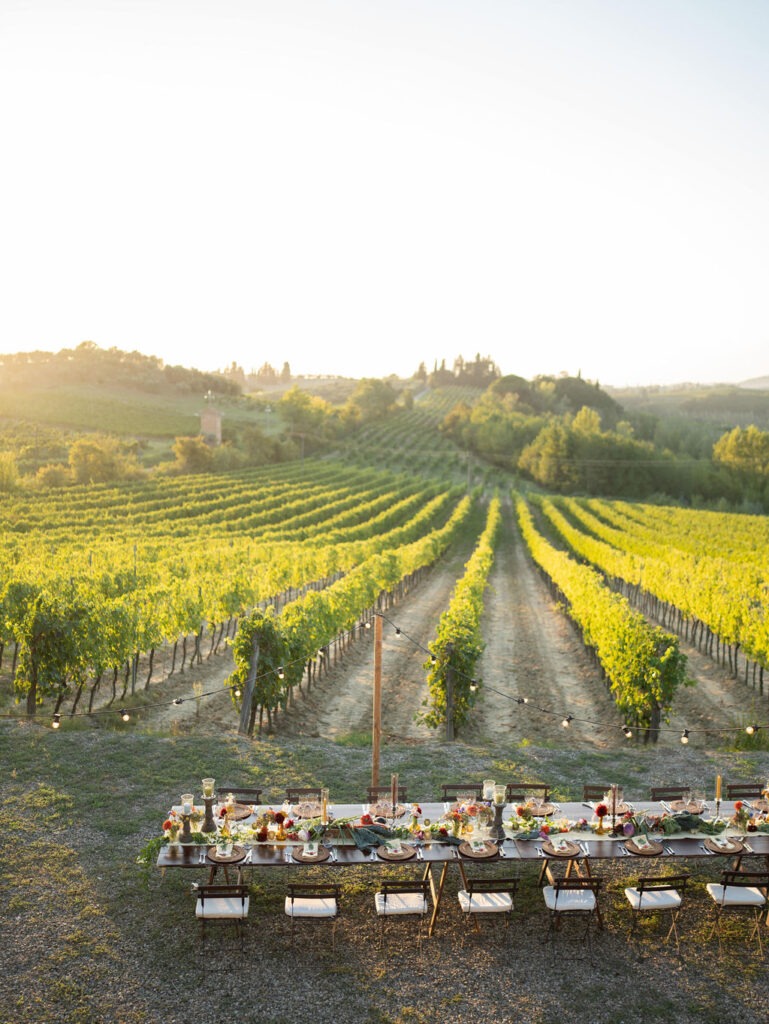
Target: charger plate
{"x":570,"y":849}
{"x":735,"y":845}
{"x":405,"y":853}
{"x":489,"y":850}
{"x":654,"y":849}
{"x":305,"y":858}
{"x":238,"y":812}
{"x":238,"y":853}
{"x":689,"y":806}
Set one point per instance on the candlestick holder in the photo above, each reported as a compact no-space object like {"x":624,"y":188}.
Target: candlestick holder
{"x":186,"y":836}
{"x":497,"y":830}
{"x":718,"y":809}
{"x":209,"y":824}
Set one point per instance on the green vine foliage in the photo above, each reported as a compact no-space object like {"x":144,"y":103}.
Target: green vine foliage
{"x":459,"y":644}
{"x":643,"y":663}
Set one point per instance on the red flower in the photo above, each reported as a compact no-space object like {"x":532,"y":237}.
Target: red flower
{"x":279,"y":817}
{"x":366,"y":819}
{"x":601,"y":811}
{"x":520,"y":810}
{"x":738,"y":805}
{"x":443,"y":831}
{"x":167,"y":824}
{"x":222,"y":811}
{"x":288,"y":823}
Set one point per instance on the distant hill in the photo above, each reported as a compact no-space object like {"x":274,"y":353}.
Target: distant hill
{"x":725,"y":405}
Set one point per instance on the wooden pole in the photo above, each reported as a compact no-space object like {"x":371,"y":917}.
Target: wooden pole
{"x":245,"y":707}
{"x":376,"y":728}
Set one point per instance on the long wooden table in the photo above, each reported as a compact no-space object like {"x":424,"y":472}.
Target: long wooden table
{"x":435,"y":858}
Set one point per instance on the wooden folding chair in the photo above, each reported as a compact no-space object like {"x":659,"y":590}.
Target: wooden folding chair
{"x":317,"y":902}
{"x":658,"y":894}
{"x":297,"y":793}
{"x":488,"y":897}
{"x":573,"y":897}
{"x":745,"y":790}
{"x":592,"y":791}
{"x":454,"y":790}
{"x":669,"y":792}
{"x":740,"y":890}
{"x":403,"y":899}
{"x":376,"y":793}
{"x":222,"y":904}
{"x":517,"y":790}
{"x":242,"y":796}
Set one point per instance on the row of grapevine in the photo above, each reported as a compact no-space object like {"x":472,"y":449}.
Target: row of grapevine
{"x":642,"y":664}
{"x":459,"y":644}
{"x":716,"y":602}
{"x":272,"y":652}
{"x":85,"y":609}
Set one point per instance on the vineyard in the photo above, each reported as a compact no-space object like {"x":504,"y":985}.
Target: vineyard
{"x":293,"y":561}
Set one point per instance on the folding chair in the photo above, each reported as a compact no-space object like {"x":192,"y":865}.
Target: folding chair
{"x":516,"y":790}
{"x":314,"y":902}
{"x":222,"y":904}
{"x":242,"y":796}
{"x":658,"y":894}
{"x":488,"y":896}
{"x":296,"y":793}
{"x":454,"y":790}
{"x":594,"y":792}
{"x":739,"y":890}
{"x":669,"y":792}
{"x":745,"y":790}
{"x":403,"y":899}
{"x":573,"y":897}
{"x":376,"y":793}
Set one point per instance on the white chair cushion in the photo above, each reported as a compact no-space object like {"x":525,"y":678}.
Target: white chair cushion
{"x":736,"y":895}
{"x":656,"y":899}
{"x":303,"y":907}
{"x":485,"y":902}
{"x":400,"y":903}
{"x":569,"y":899}
{"x":222,"y":906}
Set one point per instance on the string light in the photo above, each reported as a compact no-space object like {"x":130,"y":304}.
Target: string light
{"x":124,"y":714}
{"x":177,"y":701}
{"x":567,"y":721}
{"x":236,"y":691}
{"x":473,"y":686}
{"x":685,"y":737}
{"x":752,"y":729}
{"x":56,"y":721}
{"x":281,"y":672}
{"x":627,"y":731}
{"x":521,"y":700}
{"x":397,"y":631}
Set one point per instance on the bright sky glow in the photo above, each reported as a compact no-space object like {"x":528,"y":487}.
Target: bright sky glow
{"x":359,"y":185}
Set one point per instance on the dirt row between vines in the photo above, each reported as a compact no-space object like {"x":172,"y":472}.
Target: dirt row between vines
{"x":532,"y":650}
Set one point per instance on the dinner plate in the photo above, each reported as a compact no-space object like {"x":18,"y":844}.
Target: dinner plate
{"x":238,"y":812}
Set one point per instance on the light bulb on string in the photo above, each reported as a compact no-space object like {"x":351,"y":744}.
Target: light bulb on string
{"x":178,"y":700}
{"x":751,"y":730}
{"x":685,"y":737}
{"x":567,"y":721}
{"x":627,"y":731}
{"x":281,"y":672}
{"x":124,"y":714}
{"x":56,"y":721}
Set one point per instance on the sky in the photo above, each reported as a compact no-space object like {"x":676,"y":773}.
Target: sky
{"x":358,"y":186}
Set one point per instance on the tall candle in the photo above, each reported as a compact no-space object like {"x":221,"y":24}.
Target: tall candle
{"x":718,"y":787}
{"x":614,"y":801}
{"x":324,"y":806}
{"x":394,"y":790}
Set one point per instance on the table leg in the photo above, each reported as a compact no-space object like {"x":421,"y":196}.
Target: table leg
{"x":436,"y":893}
